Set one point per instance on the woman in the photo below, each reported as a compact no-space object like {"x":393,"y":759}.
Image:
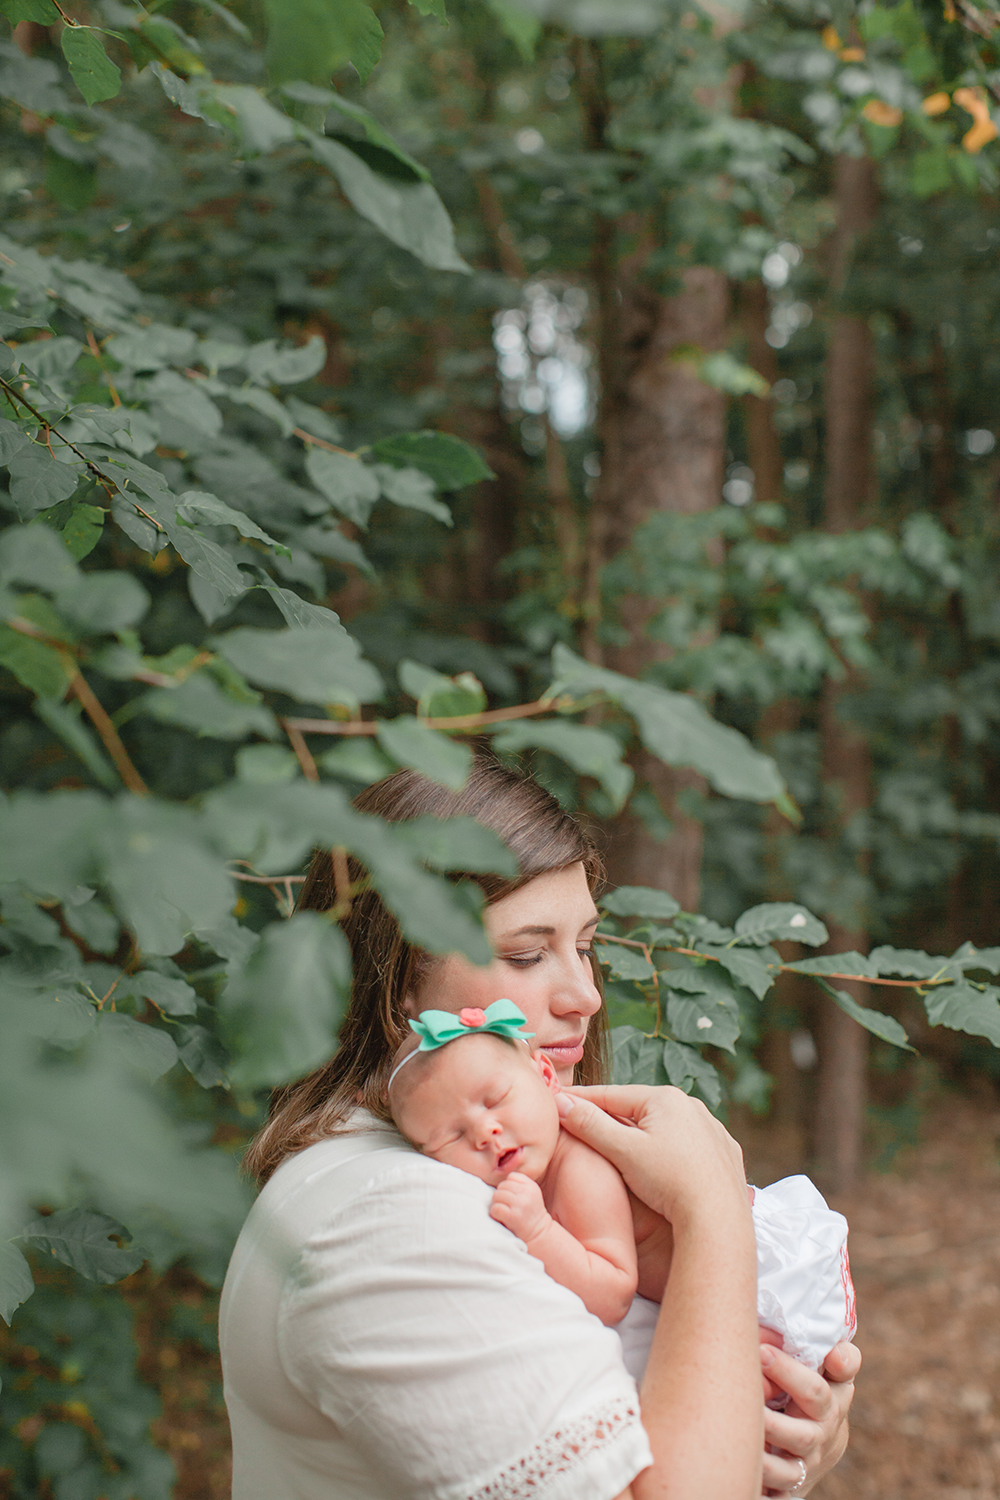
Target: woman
{"x":383,"y":1338}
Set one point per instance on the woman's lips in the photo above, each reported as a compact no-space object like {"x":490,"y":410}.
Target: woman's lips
{"x":565,"y":1054}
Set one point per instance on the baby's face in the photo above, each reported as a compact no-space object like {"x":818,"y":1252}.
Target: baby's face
{"x":484,"y":1106}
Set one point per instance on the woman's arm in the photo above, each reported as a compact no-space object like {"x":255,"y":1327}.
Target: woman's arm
{"x":701,"y":1400}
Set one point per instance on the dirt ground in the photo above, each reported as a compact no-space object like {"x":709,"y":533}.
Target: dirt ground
{"x":925,"y":1252}
{"x":925,"y":1256}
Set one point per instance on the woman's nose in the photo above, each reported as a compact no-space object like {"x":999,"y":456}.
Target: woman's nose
{"x":575,"y":993}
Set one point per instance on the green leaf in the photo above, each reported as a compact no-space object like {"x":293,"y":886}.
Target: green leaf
{"x":451,"y":462}
{"x":521,"y":25}
{"x":34,"y":555}
{"x":457,"y":844}
{"x":358,"y":758}
{"x":754,"y":970}
{"x":625,"y":963}
{"x":911,"y":963}
{"x":412,"y":743}
{"x":780,"y":921}
{"x":963,"y":1007}
{"x":12,"y":439}
{"x":94,"y":923}
{"x":886,"y":1027}
{"x":686,"y":1068}
{"x":42,"y":11}
{"x":163,"y":881}
{"x":139,"y":1046}
{"x":16,"y":1281}
{"x":311,"y":39}
{"x":286,"y":366}
{"x":345,"y":481}
{"x":202,"y":1056}
{"x":198,"y":703}
{"x":266,"y":765}
{"x":431,"y":8}
{"x":705,"y":1019}
{"x":199,"y":505}
{"x":591,"y":752}
{"x":721,"y":370}
{"x":104,"y":603}
{"x":67,"y":722}
{"x":318,"y":664}
{"x":281,"y":1009}
{"x":409,"y":213}
{"x":840,"y":964}
{"x":413,"y":490}
{"x":37,"y":667}
{"x":636,"y":1058}
{"x":83,"y":530}
{"x":438,"y":696}
{"x":675,"y":727}
{"x":639,"y":901}
{"x":174,"y":997}
{"x":375,"y":135}
{"x":94,"y":74}
{"x":71,"y":183}
{"x":153,"y":347}
{"x":37,"y":480}
{"x":81,"y":1238}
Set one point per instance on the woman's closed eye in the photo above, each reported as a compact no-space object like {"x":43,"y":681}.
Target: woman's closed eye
{"x":524,"y":960}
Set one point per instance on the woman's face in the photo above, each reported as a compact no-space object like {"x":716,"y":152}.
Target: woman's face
{"x":542,"y":936}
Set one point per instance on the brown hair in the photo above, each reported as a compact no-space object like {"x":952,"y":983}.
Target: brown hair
{"x":387,"y":967}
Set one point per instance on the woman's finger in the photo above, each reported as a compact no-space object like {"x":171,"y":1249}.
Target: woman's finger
{"x":625,"y":1101}
{"x":784,"y":1472}
{"x":795,"y":1435}
{"x":842,"y":1363}
{"x":809,"y":1391}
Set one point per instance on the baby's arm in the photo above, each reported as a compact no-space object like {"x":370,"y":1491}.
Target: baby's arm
{"x":587,"y":1243}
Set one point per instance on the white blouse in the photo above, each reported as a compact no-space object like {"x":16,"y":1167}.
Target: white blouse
{"x":384,"y":1339}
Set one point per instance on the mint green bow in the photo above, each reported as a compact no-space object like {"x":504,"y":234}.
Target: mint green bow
{"x":436,"y":1028}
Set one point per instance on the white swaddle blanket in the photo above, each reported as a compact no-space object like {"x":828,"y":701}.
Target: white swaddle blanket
{"x":804,"y":1288}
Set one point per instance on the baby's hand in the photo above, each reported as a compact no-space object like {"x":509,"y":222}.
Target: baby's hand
{"x":518,"y":1204}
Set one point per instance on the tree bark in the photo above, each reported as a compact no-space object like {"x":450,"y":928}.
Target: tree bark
{"x":763,"y":445}
{"x":663,"y":439}
{"x":843,"y":1044}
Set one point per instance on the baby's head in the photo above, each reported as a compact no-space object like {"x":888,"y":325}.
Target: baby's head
{"x":481,"y":1103}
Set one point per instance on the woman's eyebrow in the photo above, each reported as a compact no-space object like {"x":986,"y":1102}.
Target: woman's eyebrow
{"x":545,"y":931}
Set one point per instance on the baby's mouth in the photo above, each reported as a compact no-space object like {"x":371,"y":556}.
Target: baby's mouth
{"x":506,"y":1158}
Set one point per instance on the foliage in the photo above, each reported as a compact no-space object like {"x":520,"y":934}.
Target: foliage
{"x":218,"y":281}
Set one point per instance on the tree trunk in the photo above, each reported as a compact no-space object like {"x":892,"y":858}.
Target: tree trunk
{"x":763,"y":445}
{"x":663,"y":435}
{"x":843,"y":1044}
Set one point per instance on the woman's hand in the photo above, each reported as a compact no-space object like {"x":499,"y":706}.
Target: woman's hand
{"x":670,"y":1150}
{"x":812,"y":1430}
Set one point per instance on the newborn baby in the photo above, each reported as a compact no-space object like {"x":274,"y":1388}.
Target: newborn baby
{"x":471,"y":1095}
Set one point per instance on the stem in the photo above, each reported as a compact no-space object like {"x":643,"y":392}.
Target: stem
{"x":307,"y":437}
{"x":101,"y":479}
{"x":95,"y":710}
{"x":461,"y":721}
{"x":301,"y":749}
{"x":906,"y":984}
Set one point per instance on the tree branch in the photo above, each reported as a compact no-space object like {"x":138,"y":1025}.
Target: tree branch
{"x":461,"y":721}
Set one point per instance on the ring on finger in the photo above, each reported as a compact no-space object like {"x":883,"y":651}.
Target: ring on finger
{"x":796,"y":1488}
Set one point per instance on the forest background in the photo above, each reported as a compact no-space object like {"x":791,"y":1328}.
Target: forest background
{"x":607,"y":382}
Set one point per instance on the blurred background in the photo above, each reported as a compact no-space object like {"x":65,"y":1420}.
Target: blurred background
{"x":728,"y":343}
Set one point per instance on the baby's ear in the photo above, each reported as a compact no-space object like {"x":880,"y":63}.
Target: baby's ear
{"x":548,"y":1072}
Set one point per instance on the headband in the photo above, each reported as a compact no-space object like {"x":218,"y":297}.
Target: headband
{"x":436,"y":1028}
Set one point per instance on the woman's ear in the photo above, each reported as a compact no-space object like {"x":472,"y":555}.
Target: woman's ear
{"x":548,"y":1072}
{"x":410,"y":1005}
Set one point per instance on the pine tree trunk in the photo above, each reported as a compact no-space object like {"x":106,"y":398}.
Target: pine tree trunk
{"x":843,"y":1044}
{"x":663,"y":434}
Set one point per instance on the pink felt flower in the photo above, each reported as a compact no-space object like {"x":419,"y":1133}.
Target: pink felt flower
{"x":471,"y":1016}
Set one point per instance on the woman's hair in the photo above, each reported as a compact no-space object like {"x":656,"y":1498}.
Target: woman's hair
{"x":387,"y":967}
